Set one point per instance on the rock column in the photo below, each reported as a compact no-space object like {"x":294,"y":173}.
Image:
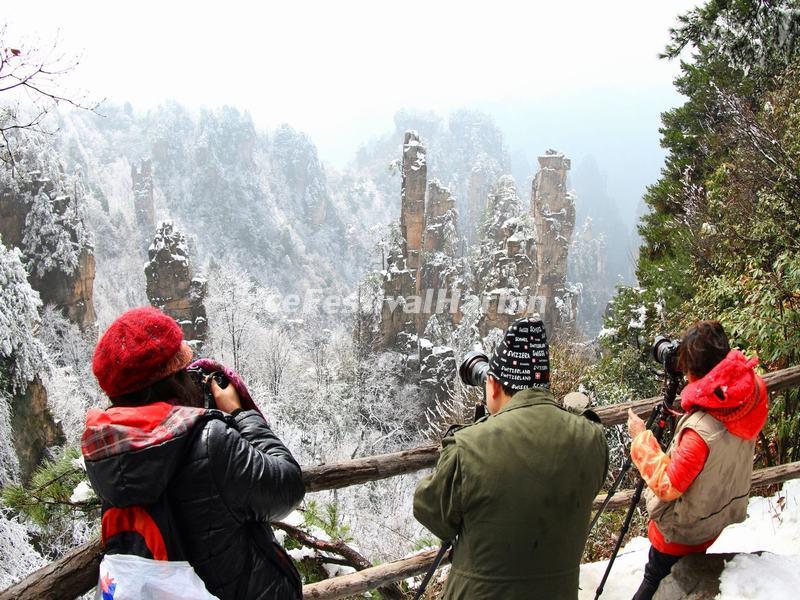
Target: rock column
{"x":412,"y":207}
{"x":143,"y":197}
{"x":440,"y":226}
{"x":507,"y":267}
{"x":438,"y":269}
{"x":172,"y":287}
{"x":553,"y":212}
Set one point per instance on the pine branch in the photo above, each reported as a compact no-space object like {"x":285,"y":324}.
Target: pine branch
{"x":351,"y":557}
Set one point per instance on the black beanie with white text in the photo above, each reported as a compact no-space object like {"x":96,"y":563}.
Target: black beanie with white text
{"x":521,"y":360}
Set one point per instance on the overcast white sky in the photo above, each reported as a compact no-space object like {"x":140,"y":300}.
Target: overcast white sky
{"x":340,"y":69}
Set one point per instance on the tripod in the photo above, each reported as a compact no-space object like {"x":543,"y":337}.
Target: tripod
{"x":657,"y":422}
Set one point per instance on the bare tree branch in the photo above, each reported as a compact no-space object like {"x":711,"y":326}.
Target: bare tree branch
{"x":32,"y":85}
{"x":351,"y":557}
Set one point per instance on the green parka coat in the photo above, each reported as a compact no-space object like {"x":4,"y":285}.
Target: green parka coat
{"x":515,"y":490}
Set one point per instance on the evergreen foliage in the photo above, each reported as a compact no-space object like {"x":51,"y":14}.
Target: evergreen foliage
{"x":49,"y":496}
{"x":57,"y":502}
{"x":54,"y":234}
{"x":722,"y":236}
{"x":22,"y":356}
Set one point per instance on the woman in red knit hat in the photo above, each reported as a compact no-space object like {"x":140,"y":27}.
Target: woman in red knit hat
{"x":702,"y":483}
{"x":180,"y":482}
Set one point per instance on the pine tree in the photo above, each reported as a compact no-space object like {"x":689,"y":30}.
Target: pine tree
{"x":52,"y":201}
{"x":722,"y":239}
{"x":22,"y":356}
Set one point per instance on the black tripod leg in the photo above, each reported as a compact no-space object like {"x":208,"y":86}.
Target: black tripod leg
{"x":657,"y":421}
{"x":637,"y":494}
{"x":626,"y":466}
{"x":432,"y":569}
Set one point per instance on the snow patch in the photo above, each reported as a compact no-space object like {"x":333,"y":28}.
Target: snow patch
{"x":607,"y":332}
{"x":772,"y":526}
{"x":299,"y":554}
{"x":749,"y":576}
{"x":637,"y":322}
{"x":83,"y":492}
{"x":336,"y":570}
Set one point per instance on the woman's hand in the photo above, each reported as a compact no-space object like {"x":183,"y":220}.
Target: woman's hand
{"x":635,"y":424}
{"x":226,"y":399}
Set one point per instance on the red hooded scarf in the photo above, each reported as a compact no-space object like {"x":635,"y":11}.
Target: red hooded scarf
{"x":733,"y":393}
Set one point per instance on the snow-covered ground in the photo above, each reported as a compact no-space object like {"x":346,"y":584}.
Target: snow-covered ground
{"x":772,"y":526}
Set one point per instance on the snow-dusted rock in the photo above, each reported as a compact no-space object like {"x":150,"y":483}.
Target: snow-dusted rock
{"x":172,"y":286}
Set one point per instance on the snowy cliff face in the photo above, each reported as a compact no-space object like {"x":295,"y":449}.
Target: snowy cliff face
{"x":42,"y":214}
{"x":441,"y":267}
{"x":172,"y":285}
{"x":296,"y":168}
{"x":588,"y":255}
{"x":505,"y":266}
{"x":441,"y":221}
{"x":261,"y":200}
{"x":27,"y":427}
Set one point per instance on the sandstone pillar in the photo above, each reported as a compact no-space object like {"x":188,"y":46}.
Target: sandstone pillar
{"x":553,"y":212}
{"x":172,"y":287}
{"x":412,"y":195}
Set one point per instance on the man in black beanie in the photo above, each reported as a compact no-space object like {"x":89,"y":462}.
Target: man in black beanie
{"x":514,"y":490}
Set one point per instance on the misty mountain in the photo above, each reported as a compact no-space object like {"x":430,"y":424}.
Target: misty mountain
{"x":261,"y":199}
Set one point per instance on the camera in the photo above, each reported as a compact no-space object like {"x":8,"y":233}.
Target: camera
{"x":474,"y":369}
{"x":665,"y":352}
{"x":203,"y":380}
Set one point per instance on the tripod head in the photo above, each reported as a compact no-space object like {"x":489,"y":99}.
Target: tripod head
{"x":664,"y":410}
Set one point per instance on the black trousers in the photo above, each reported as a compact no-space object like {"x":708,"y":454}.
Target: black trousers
{"x":658,"y":566}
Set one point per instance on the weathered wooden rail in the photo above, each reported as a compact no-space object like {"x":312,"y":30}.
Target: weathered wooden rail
{"x":76,"y":572}
{"x":373,"y":468}
{"x":417,"y":564}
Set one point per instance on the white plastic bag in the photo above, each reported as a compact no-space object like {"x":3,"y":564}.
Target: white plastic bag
{"x":129,"y":577}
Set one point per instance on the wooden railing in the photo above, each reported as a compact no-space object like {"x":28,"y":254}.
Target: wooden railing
{"x":76,"y":572}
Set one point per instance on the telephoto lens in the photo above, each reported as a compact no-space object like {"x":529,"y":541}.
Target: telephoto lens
{"x":665,"y":352}
{"x":474,"y":369}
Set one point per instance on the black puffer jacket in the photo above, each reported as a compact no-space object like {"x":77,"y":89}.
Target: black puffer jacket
{"x":210,"y":482}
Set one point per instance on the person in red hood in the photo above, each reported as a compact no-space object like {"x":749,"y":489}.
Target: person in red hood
{"x":702,"y":483}
{"x":181,"y":482}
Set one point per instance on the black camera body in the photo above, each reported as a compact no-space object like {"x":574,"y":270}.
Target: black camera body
{"x":665,"y":353}
{"x":203,"y":380}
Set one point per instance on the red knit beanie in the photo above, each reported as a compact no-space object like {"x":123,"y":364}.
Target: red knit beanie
{"x":141,"y":347}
